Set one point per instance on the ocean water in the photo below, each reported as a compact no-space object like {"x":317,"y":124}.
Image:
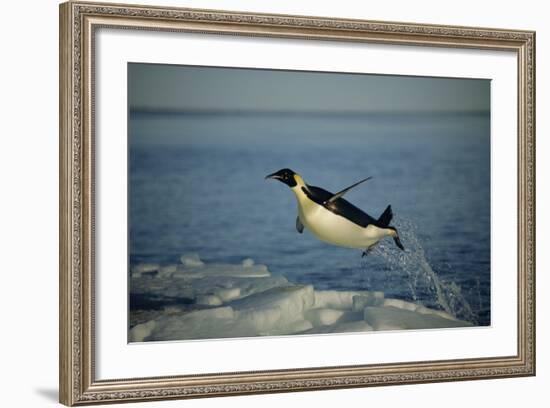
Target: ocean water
{"x":197,"y":185}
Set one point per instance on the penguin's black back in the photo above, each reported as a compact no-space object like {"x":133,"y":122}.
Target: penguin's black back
{"x":340,"y":206}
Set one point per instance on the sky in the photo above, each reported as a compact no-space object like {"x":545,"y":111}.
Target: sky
{"x":159,"y":87}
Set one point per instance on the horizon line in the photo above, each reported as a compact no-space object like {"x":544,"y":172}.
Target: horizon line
{"x":287,"y":112}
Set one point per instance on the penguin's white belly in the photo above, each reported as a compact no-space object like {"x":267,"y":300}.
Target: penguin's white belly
{"x":337,"y":230}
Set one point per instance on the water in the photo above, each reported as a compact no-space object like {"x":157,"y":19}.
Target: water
{"x":197,"y":185}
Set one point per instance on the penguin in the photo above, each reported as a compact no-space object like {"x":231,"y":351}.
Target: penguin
{"x":334,"y":220}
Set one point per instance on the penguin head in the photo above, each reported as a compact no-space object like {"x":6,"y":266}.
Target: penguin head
{"x":285,"y":176}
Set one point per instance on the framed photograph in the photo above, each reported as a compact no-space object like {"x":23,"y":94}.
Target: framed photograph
{"x":256,"y":203}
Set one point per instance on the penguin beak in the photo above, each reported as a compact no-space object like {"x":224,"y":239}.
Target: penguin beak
{"x":274,"y":176}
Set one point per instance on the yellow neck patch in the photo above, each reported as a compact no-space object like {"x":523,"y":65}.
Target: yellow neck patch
{"x":299,"y":180}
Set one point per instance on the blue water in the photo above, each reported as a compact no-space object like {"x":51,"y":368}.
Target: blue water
{"x":197,"y":185}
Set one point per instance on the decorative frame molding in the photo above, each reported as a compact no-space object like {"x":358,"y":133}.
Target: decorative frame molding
{"x":78,"y":22}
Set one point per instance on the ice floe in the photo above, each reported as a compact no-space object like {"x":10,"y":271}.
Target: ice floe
{"x":197,"y":300}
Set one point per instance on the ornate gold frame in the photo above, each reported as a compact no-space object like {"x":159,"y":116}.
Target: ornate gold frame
{"x":78,"y":22}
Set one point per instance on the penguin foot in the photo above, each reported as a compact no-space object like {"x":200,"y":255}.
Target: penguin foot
{"x":367,"y":251}
{"x":398,"y":243}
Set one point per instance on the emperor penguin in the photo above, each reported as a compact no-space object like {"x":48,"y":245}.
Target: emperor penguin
{"x":335,"y":220}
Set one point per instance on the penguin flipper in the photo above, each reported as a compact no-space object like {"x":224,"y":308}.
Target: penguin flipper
{"x":299,"y":225}
{"x":340,"y":194}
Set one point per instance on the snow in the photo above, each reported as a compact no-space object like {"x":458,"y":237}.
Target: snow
{"x":140,"y":269}
{"x":275,"y":308}
{"x":167,"y":271}
{"x":253,"y":271}
{"x":359,"y":302}
{"x":142,"y":331}
{"x":209,"y":300}
{"x":393,"y":318}
{"x":345,"y":327}
{"x":248,"y":262}
{"x":323,"y":317}
{"x":213,"y":300}
{"x":191,"y":260}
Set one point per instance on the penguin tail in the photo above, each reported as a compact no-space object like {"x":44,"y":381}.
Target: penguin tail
{"x":386,"y":217}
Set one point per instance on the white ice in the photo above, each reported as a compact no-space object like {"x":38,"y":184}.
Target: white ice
{"x":243,"y":300}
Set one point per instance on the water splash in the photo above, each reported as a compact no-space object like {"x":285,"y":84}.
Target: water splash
{"x":425,"y":285}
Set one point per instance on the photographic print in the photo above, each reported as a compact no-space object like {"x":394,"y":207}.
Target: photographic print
{"x":321,"y":186}
{"x":274,"y":202}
